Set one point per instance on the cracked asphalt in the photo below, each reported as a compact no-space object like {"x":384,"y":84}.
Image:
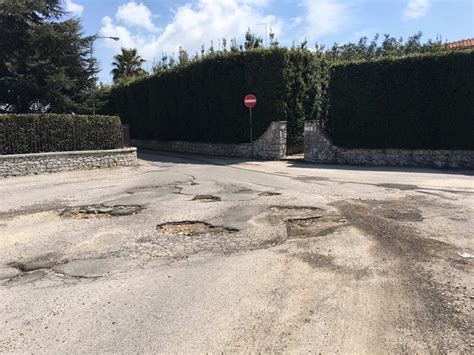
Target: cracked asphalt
{"x":188,"y":253}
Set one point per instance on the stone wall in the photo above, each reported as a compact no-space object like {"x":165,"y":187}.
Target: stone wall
{"x":319,"y":149}
{"x":40,"y":163}
{"x":271,"y":145}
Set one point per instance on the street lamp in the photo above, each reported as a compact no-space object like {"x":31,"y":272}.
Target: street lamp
{"x":266,"y":32}
{"x":93,"y":38}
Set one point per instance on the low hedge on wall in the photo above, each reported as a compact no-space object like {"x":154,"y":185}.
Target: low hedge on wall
{"x":419,"y":102}
{"x":35,"y":133}
{"x":203,"y":101}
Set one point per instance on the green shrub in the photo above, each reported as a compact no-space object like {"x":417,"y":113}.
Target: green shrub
{"x":203,"y":101}
{"x":418,"y":102}
{"x":34,"y":133}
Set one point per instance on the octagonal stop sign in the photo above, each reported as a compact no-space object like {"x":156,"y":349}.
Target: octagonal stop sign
{"x":250,"y":101}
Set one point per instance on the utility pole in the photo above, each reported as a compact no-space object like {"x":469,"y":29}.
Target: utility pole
{"x":93,"y":38}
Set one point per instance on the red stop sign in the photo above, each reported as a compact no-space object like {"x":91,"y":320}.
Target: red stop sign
{"x":250,"y":101}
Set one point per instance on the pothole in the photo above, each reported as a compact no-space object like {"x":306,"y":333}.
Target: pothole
{"x":206,"y":198}
{"x":317,"y":226}
{"x":93,"y":211}
{"x":44,"y":261}
{"x":190,"y":228}
{"x":283,"y":213}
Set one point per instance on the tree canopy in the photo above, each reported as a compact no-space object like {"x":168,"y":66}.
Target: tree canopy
{"x":45,"y":63}
{"x":127,"y":65}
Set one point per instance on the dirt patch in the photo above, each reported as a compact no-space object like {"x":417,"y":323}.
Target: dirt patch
{"x":318,"y":260}
{"x":94,"y":211}
{"x":403,"y":210}
{"x":402,"y":216}
{"x":444,"y":311}
{"x":189,"y":228}
{"x":401,"y":240}
{"x":206,"y":198}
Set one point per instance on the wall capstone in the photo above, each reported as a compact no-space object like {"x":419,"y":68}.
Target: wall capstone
{"x":41,"y":163}
{"x":271,"y":145}
{"x":318,"y":148}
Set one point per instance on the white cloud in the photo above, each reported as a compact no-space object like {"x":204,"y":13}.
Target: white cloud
{"x":74,"y":8}
{"x":324,"y":17}
{"x":135,"y":14}
{"x":195,"y":25}
{"x":127,"y":40}
{"x":415,"y":9}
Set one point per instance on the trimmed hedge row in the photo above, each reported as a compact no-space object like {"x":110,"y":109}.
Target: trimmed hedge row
{"x":203,"y":101}
{"x":419,"y":102}
{"x":35,"y":133}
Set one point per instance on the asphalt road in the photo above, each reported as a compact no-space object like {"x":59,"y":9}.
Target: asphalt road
{"x":197,"y":254}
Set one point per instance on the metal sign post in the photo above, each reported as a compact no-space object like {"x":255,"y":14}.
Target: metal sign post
{"x":251,"y":101}
{"x":251,"y":134}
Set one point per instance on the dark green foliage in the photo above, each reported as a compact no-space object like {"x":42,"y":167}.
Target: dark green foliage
{"x":252,"y":41}
{"x":45,"y":63}
{"x":307,"y":79}
{"x":387,"y":46}
{"x":422,"y":101}
{"x":200,"y":99}
{"x":203,"y":101}
{"x":127,"y":65}
{"x":34,"y":133}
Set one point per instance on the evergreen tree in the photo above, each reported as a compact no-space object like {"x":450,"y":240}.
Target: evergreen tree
{"x":252,"y":41}
{"x":273,"y":41}
{"x":45,"y":63}
{"x":183,"y":57}
{"x":224,"y":45}
{"x":234,"y":47}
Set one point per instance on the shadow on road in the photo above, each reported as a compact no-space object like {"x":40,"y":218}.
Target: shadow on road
{"x":292,"y":162}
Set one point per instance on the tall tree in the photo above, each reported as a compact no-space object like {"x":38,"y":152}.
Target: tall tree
{"x":273,"y":40}
{"x":252,"y":41}
{"x":44,"y":58}
{"x":183,"y":57}
{"x":127,"y":65}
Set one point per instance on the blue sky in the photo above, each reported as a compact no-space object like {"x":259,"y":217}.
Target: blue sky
{"x":158,"y":26}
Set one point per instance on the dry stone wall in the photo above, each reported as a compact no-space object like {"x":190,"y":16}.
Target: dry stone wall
{"x":271,"y":145}
{"x":40,"y":163}
{"x":319,"y":149}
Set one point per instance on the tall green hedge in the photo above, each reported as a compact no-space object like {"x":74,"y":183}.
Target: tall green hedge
{"x":423,"y":101}
{"x":35,"y":133}
{"x":204,"y":100}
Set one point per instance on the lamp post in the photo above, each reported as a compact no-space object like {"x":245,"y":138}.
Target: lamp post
{"x":93,"y":38}
{"x":266,"y":32}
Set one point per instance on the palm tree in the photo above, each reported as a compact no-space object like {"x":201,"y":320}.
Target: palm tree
{"x":127,"y":64}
